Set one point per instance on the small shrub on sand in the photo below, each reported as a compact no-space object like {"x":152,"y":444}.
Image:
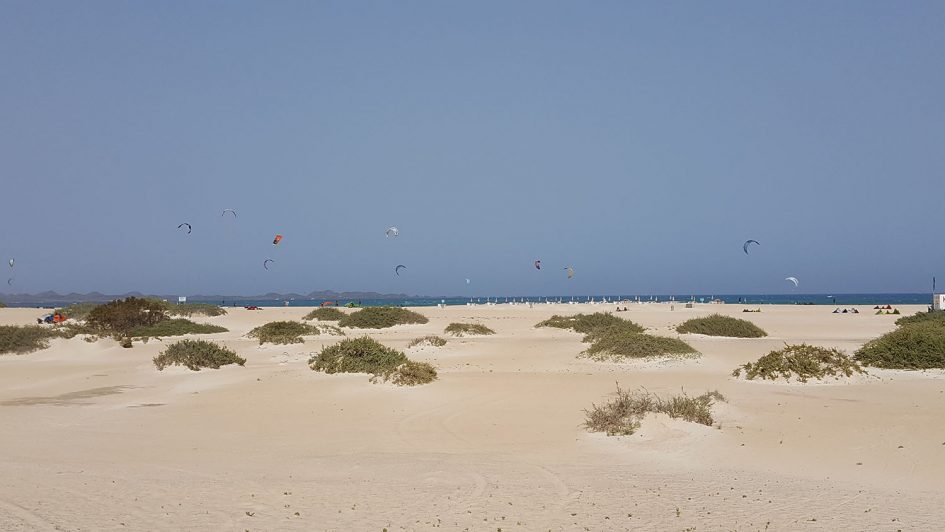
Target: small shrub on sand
{"x":915,"y":346}
{"x":324,"y":314}
{"x":3,"y":305}
{"x":282,"y":332}
{"x":77,"y":311}
{"x":196,"y":354}
{"x":195,"y":309}
{"x":718,"y":325}
{"x":801,"y":362}
{"x":433,"y":341}
{"x":366,"y":355}
{"x":623,"y":414}
{"x":585,"y":323}
{"x":615,"y":345}
{"x":464,"y":329}
{"x":26,"y":339}
{"x":937,"y":316}
{"x":381,"y":318}
{"x":174,"y":327}
{"x":123,"y":315}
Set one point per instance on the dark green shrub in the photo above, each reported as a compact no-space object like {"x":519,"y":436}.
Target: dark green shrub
{"x":29,"y":338}
{"x":585,"y":323}
{"x":937,"y":317}
{"x":614,"y":344}
{"x":78,"y":311}
{"x":433,"y":341}
{"x":324,"y":314}
{"x":718,"y":325}
{"x":196,"y":354}
{"x":283,"y":332}
{"x":623,"y":414}
{"x":381,"y":318}
{"x":463,"y":329}
{"x":913,"y":346}
{"x":3,"y":305}
{"x":366,"y":355}
{"x":174,"y":327}
{"x":801,"y":362}
{"x":123,"y":315}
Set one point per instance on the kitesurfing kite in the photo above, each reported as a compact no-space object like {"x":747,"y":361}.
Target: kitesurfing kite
{"x":398,"y":268}
{"x":793,"y":280}
{"x":11,"y":262}
{"x":392,"y":231}
{"x":10,"y":281}
{"x":185,"y":224}
{"x":266,"y":263}
{"x":570,"y":272}
{"x":467,"y":281}
{"x":537,"y":264}
{"x":745,"y":245}
{"x":276,"y":240}
{"x":231,"y":211}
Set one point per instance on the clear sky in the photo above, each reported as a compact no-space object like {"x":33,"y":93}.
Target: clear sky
{"x":641,"y":143}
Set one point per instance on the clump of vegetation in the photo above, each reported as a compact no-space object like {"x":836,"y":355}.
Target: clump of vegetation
{"x":937,"y":317}
{"x":433,"y":341}
{"x":78,"y":311}
{"x":123,"y":315}
{"x":918,"y":345}
{"x":366,"y":355}
{"x":174,"y":327}
{"x":381,"y":318}
{"x":26,"y":339}
{"x":719,"y":325}
{"x":616,"y":339}
{"x":195,"y":309}
{"x":801,"y":362}
{"x":330,"y":330}
{"x":283,"y":332}
{"x":623,"y":414}
{"x":615,"y":345}
{"x":463,"y":329}
{"x":3,"y":305}
{"x":585,"y":323}
{"x":324,"y":314}
{"x":196,"y":354}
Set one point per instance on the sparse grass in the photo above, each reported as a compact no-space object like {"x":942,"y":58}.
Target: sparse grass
{"x":381,"y":318}
{"x":78,"y":311}
{"x":283,"y":332}
{"x":615,"y":345}
{"x":366,"y":355}
{"x":28,"y":338}
{"x":330,"y":330}
{"x":324,"y":314}
{"x":937,"y":317}
{"x":196,"y":354}
{"x":585,"y":323}
{"x":433,"y":341}
{"x":913,"y":346}
{"x":719,"y":325}
{"x":174,"y":327}
{"x":463,"y":329}
{"x":624,"y":413}
{"x":195,"y":309}
{"x":801,"y":362}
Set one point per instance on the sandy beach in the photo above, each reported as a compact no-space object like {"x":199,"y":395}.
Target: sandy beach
{"x":96,"y":438}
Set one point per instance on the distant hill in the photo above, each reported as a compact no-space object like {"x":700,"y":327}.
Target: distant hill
{"x":54,"y":298}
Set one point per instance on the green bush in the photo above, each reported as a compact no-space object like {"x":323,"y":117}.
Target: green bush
{"x":623,"y":414}
{"x":283,"y":332}
{"x":123,"y":315}
{"x":195,"y":309}
{"x":801,"y":362}
{"x":324,"y":314}
{"x":78,"y":311}
{"x":462,"y":329}
{"x":718,"y":325}
{"x":585,"y":323}
{"x":29,"y":338}
{"x":381,"y":318}
{"x":3,"y":305}
{"x":914,"y":346}
{"x":937,"y":317}
{"x":434,"y":341}
{"x":174,"y":327}
{"x":366,"y":355}
{"x":614,"y":344}
{"x":196,"y":354}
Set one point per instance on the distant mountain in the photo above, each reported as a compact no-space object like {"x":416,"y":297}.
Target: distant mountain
{"x":53,"y":298}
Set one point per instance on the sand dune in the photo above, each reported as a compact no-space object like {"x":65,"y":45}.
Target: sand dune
{"x":95,"y":438}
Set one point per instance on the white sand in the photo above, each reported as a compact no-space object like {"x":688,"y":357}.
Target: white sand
{"x":95,"y":438}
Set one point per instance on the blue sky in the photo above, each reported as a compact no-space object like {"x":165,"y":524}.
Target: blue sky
{"x":640,"y":143}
